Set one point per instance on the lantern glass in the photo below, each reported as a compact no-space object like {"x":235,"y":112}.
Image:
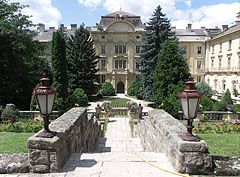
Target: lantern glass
{"x":184,"y":107}
{"x":42,"y":103}
{"x":50,"y":103}
{"x":192,"y":107}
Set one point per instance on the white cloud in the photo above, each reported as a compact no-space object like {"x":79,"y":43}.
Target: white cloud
{"x":41,"y":11}
{"x":90,"y":3}
{"x":208,"y":16}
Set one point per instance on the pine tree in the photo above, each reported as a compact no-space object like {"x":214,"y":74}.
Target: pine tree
{"x":82,"y":61}
{"x":170,"y":74}
{"x":59,"y":64}
{"x":158,"y":31}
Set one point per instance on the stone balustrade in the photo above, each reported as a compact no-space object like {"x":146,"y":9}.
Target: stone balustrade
{"x":159,"y":132}
{"x":76,"y":132}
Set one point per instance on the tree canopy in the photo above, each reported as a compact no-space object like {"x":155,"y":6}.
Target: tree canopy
{"x":158,"y":31}
{"x":21,"y":64}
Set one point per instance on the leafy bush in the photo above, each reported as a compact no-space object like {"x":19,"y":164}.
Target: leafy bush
{"x":131,"y":91}
{"x":227,"y":98}
{"x":219,"y":106}
{"x":107,"y":89}
{"x":205,"y":89}
{"x":235,"y":92}
{"x":79,"y":97}
{"x":237,"y":108}
{"x":9,"y":112}
{"x":206,"y":103}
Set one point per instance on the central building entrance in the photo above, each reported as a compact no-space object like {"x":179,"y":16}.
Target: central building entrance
{"x":120,"y":87}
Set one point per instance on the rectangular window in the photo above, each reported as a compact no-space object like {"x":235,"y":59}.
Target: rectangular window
{"x":199,"y":50}
{"x":120,"y":49}
{"x":212,"y":49}
{"x":124,"y":49}
{"x":102,"y":78}
{"x":198,"y":78}
{"x":124,"y":63}
{"x":184,"y":49}
{"x":199,"y":63}
{"x":103,"y":63}
{"x":116,"y":63}
{"x":230,"y":45}
{"x":220,"y":47}
{"x":137,"y":49}
{"x":229,"y":62}
{"x":215,"y":84}
{"x":116,"y":49}
{"x":120,"y":63}
{"x":220,"y":63}
{"x":103,"y":49}
{"x":137,"y":64}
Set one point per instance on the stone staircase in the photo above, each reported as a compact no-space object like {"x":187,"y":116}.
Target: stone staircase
{"x":114,"y":156}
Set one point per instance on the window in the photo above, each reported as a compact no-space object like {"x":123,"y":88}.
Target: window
{"x":220,"y":47}
{"x":103,"y":64}
{"x":102,"y":78}
{"x":137,"y":64}
{"x":215,"y":84}
{"x":120,"y":49}
{"x":137,"y":49}
{"x":103,"y":49}
{"x":120,"y":64}
{"x":229,"y":62}
{"x":230,"y":45}
{"x":199,"y":63}
{"x":212,"y":64}
{"x":220,"y":63}
{"x":198,"y":78}
{"x":184,"y":49}
{"x":199,"y":50}
{"x":212,"y":49}
{"x":116,"y":63}
{"x":224,"y":85}
{"x":234,"y":85}
{"x":124,"y":63}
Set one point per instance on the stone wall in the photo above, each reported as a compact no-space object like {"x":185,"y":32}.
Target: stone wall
{"x":76,"y":132}
{"x":159,"y":132}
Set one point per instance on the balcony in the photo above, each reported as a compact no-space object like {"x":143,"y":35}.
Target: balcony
{"x":226,"y":69}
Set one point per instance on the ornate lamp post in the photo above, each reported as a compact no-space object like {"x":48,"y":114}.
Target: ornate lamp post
{"x":98,"y":110}
{"x":139,"y":111}
{"x":45,"y":96}
{"x":189,"y":99}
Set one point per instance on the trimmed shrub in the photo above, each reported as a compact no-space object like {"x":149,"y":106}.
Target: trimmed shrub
{"x":219,"y":106}
{"x":79,"y":97}
{"x":107,"y":89}
{"x":132,"y":89}
{"x":206,"y":103}
{"x":205,"y":89}
{"x":9,"y":112}
{"x":237,"y":108}
{"x":227,"y":98}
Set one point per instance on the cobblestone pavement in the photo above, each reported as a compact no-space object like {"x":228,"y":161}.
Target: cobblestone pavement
{"x":111,"y":157}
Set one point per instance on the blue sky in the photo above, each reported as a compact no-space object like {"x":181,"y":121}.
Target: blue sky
{"x":208,"y":13}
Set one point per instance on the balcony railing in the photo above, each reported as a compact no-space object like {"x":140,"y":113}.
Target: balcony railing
{"x":225,"y":69}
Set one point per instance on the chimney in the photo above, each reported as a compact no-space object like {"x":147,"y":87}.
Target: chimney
{"x":224,"y":27}
{"x":52,"y":28}
{"x":189,"y":27}
{"x":203,"y":27}
{"x":173,"y":28}
{"x":41,"y":28}
{"x":62,"y":26}
{"x":73,"y":27}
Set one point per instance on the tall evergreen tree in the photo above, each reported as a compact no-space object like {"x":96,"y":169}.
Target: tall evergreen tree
{"x":59,"y":64}
{"x":170,"y":74}
{"x":82,"y":61}
{"x":20,"y":64}
{"x":158,"y":31}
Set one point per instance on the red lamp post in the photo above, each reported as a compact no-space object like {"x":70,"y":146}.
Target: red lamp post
{"x":45,"y":96}
{"x":189,"y":99}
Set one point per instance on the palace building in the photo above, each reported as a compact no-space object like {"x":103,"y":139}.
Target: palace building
{"x":213,"y":54}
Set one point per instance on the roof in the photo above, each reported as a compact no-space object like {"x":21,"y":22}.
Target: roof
{"x":233,"y":28}
{"x":120,"y":13}
{"x":190,"y":35}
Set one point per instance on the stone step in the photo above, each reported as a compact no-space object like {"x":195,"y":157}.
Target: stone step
{"x":117,"y":164}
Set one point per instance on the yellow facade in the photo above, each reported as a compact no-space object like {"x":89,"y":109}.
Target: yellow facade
{"x":223,"y":61}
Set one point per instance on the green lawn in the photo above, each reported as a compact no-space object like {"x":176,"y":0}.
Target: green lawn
{"x":13,"y":142}
{"x":226,"y":144}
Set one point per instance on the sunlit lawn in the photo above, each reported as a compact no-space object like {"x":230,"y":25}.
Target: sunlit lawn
{"x":13,"y":142}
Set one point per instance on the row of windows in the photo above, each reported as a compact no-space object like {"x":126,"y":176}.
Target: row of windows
{"x":223,"y":85}
{"x":220,"y":47}
{"x":199,"y":50}
{"x":120,"y":49}
{"x":220,"y":62}
{"x":119,"y":64}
